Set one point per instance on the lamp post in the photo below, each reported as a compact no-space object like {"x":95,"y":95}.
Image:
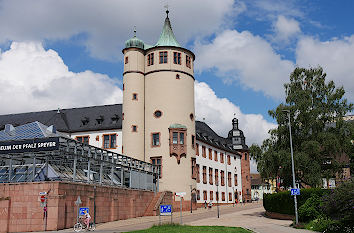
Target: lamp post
{"x":292,"y":166}
{"x":190,"y":186}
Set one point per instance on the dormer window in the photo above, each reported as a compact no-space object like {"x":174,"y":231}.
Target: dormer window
{"x":85,"y":121}
{"x":115,"y":119}
{"x":100,"y":120}
{"x":163,"y":57}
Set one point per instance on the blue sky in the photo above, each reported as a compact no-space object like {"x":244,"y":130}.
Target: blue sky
{"x":68,"y":53}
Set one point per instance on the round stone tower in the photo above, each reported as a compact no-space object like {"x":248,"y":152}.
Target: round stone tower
{"x":133,"y":98}
{"x":162,"y":76}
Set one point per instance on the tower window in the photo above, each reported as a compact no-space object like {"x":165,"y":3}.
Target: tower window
{"x":155,"y":139}
{"x":188,"y":61}
{"x":109,"y":141}
{"x":177,"y":58}
{"x":174,"y":137}
{"x":126,"y":60}
{"x":191,"y":116}
{"x":193,"y":141}
{"x":150,"y":59}
{"x":163,"y":57}
{"x":135,"y":96}
{"x":134,"y":128}
{"x":181,"y":138}
{"x":123,"y":87}
{"x":157,"y":114}
{"x":177,"y":76}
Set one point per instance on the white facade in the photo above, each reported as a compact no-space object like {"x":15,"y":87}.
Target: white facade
{"x":257,"y":191}
{"x":96,"y":138}
{"x":234,"y":168}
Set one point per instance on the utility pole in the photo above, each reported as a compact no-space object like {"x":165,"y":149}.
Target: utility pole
{"x":292,"y":167}
{"x":217,"y":199}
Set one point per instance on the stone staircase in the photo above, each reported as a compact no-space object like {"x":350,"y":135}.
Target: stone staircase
{"x":153,"y":207}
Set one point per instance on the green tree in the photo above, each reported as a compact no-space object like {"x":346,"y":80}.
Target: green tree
{"x":319,"y":134}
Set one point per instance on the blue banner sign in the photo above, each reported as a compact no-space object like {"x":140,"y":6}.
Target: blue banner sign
{"x":165,"y":209}
{"x":83,"y":211}
{"x":295,"y":192}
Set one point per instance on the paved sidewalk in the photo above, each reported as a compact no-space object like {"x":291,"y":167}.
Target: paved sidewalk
{"x":249,"y":216}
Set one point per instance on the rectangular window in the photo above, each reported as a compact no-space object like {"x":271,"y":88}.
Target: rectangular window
{"x":181,"y":138}
{"x":216,"y":176}
{"x":109,"y":141}
{"x":211,"y":195}
{"x":210,"y":154}
{"x":205,"y":196}
{"x":156,"y":139}
{"x":163,"y":57}
{"x":193,"y":141}
{"x":198,"y":195}
{"x":230,"y":196}
{"x":126,"y":60}
{"x":175,"y":138}
{"x":223,"y":196}
{"x":215,"y":155}
{"x":221,"y":157}
{"x":157,"y":161}
{"x":150,"y":59}
{"x":203,"y":152}
{"x":235,"y":177}
{"x":177,"y":58}
{"x":135,"y":96}
{"x":197,"y":149}
{"x":246,"y":156}
{"x":83,"y":139}
{"x":134,"y":128}
{"x":228,"y":160}
{"x":229,"y":179}
{"x":210,"y":175}
{"x":204,"y":175}
{"x":222,"y":174}
{"x":217,"y":196}
{"x":188,"y":61}
{"x":194,"y":168}
{"x":198,"y":173}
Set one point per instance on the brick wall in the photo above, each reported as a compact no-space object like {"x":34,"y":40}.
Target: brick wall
{"x":20,"y":207}
{"x":246,"y":177}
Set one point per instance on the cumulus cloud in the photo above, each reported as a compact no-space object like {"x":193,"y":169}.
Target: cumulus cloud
{"x":246,"y":58}
{"x":104,"y":25}
{"x":336,"y":57}
{"x":218,"y":113}
{"x":33,"y":79}
{"x":285,"y":29}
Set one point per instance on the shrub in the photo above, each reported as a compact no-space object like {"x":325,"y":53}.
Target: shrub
{"x":321,"y":224}
{"x":339,"y":203}
{"x":283,"y":202}
{"x":310,"y":209}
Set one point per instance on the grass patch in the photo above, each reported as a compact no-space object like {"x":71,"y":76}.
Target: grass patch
{"x":185,"y":228}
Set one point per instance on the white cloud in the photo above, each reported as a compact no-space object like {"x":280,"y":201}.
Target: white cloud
{"x":336,"y":57}
{"x":32,"y":79}
{"x":218,"y":113}
{"x":106,"y":24}
{"x":247,"y":58}
{"x":285,"y":29}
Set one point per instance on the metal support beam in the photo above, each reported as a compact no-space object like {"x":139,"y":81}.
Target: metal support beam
{"x":10,"y":170}
{"x":74,"y":168}
{"x":101,"y":173}
{"x":112,"y":173}
{"x":34,"y":168}
{"x":88,"y":170}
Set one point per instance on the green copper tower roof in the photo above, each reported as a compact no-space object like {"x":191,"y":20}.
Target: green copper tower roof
{"x":167,"y":38}
{"x":134,"y":42}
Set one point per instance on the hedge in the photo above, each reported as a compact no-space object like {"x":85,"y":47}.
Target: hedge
{"x":283,"y":202}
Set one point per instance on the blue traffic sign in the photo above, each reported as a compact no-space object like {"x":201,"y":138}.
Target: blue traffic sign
{"x":84,"y":210}
{"x":165,"y":209}
{"x":295,"y":192}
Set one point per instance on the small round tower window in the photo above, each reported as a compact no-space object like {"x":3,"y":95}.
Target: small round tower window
{"x":157,"y":113}
{"x":191,"y":116}
{"x":177,"y":76}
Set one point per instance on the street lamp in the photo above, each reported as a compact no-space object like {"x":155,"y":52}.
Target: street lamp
{"x":190,"y":186}
{"x":292,"y":166}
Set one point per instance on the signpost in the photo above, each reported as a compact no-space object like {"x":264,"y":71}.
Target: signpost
{"x":165,"y":210}
{"x":83,"y":210}
{"x":43,"y":203}
{"x":295,"y":192}
{"x":180,"y":195}
{"x":78,"y":203}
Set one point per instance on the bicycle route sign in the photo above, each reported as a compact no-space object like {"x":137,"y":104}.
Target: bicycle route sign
{"x":295,"y":192}
{"x":83,"y":210}
{"x":165,"y":210}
